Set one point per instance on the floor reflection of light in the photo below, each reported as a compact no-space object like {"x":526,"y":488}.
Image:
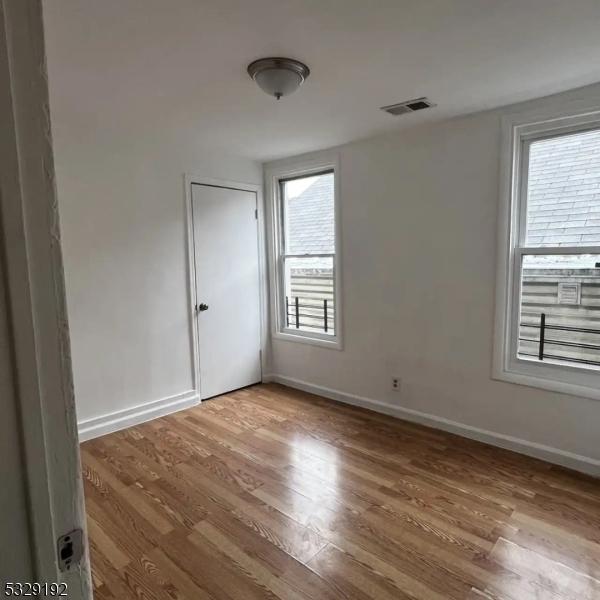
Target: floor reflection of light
{"x":544,"y":575}
{"x":320,"y":462}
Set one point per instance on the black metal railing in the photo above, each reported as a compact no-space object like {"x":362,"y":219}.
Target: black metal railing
{"x":543,"y":341}
{"x":294,"y":317}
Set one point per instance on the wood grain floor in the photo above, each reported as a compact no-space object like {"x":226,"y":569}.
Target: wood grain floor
{"x":273,"y":493}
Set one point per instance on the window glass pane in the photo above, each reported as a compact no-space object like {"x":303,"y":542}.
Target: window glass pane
{"x":563,"y":197}
{"x":309,"y":294}
{"x":308,"y":215}
{"x":566,"y":289}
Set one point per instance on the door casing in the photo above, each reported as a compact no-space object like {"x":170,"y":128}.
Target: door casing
{"x":39,"y":346}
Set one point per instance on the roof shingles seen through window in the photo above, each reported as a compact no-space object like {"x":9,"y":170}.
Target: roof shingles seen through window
{"x":563,"y":200}
{"x":310,"y":218}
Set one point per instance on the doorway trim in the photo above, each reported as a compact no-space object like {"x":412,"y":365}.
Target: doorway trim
{"x":39,"y":345}
{"x":189,"y":181}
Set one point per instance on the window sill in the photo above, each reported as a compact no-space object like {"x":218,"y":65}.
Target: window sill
{"x":553,"y":378}
{"x":334,"y":343}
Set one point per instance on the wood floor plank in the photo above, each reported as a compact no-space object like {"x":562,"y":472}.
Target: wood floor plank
{"x":183,"y":581}
{"x":373,"y":546}
{"x":353,"y":579}
{"x":220,"y":576}
{"x":231,"y":471}
{"x":105,"y":545}
{"x":147,"y":569}
{"x":102,"y":592}
{"x":223,"y":437}
{"x":272,"y":493}
{"x":139,"y":585}
{"x":178,"y":502}
{"x":130,"y":494}
{"x":131,"y":533}
{"x":319,"y":511}
{"x":430,"y":516}
{"x":550,"y":575}
{"x":555,"y":543}
{"x":133,"y":460}
{"x":207,"y":534}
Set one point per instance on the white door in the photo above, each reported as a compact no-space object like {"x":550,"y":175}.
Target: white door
{"x":227,"y":288}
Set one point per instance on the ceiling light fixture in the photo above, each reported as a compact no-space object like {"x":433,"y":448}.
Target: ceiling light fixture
{"x":278,"y":76}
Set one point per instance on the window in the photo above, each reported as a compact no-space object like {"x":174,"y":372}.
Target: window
{"x":307,"y":281}
{"x":549,"y":318}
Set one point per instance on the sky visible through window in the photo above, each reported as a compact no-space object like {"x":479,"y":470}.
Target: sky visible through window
{"x":295,"y":187}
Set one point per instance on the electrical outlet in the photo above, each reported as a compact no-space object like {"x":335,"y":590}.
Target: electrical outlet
{"x":396,"y":381}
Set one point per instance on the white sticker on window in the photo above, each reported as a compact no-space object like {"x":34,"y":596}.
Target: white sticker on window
{"x":569,"y":293}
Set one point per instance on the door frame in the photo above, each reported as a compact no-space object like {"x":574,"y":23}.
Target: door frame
{"x":257,"y":189}
{"x":39,"y":344}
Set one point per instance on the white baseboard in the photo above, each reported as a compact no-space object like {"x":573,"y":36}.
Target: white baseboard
{"x":121,"y":419}
{"x":564,"y":458}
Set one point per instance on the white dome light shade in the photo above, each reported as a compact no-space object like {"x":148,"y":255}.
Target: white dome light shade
{"x":278,"y":82}
{"x":278,"y":76}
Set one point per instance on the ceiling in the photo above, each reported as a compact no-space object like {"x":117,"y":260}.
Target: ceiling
{"x":166,"y":65}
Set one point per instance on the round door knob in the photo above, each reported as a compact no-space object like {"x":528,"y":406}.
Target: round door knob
{"x":202,"y":307}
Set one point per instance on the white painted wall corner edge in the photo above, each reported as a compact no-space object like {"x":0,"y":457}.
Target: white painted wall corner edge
{"x":129,"y":417}
{"x":577,"y":462}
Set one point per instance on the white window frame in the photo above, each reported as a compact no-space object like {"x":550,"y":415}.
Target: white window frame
{"x":518,"y":132}
{"x":274,"y":175}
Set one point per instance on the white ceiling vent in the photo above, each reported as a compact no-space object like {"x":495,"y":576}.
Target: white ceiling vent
{"x":409,"y":106}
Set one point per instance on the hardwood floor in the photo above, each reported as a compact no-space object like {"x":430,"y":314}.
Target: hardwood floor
{"x":273,"y":493}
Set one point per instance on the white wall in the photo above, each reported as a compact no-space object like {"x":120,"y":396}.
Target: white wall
{"x":121,"y":199}
{"x":418,"y":216}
